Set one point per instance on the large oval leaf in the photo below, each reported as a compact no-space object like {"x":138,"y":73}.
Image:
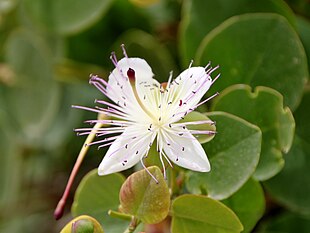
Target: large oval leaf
{"x":95,"y":196}
{"x":201,"y":16}
{"x":250,"y":55}
{"x":191,"y":213}
{"x":234,"y":154}
{"x":264,"y":108}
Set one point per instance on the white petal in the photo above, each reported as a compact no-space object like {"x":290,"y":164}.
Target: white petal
{"x":126,"y":150}
{"x":187,"y":90}
{"x":119,"y":88}
{"x":183,"y":149}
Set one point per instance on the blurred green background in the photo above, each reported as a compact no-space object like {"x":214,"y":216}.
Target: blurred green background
{"x":48,"y":48}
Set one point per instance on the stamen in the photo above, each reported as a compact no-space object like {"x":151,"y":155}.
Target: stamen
{"x":206,"y":67}
{"x":162,"y":164}
{"x":113,"y":59}
{"x":215,"y":78}
{"x":124,"y":50}
{"x":145,"y":168}
{"x":209,"y":71}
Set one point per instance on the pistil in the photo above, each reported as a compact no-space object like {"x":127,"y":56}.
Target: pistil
{"x":132,"y":79}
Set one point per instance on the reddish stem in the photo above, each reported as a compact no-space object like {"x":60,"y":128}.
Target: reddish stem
{"x":61,"y":204}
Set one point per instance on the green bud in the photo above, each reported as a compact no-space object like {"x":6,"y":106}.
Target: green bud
{"x":83,"y":224}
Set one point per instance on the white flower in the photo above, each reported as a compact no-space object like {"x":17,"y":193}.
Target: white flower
{"x":145,"y":110}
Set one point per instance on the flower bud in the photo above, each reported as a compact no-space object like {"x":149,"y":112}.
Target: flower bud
{"x":83,"y":224}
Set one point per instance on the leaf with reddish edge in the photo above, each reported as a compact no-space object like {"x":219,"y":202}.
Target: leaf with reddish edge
{"x":144,"y":197}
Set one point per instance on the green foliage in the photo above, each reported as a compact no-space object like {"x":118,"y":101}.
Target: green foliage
{"x":248,"y":203}
{"x":191,"y":213}
{"x":201,"y":16}
{"x":286,"y":223}
{"x":254,"y":57}
{"x":296,"y":172}
{"x":233,"y":153}
{"x":276,"y":123}
{"x":65,"y":17}
{"x":97,"y":195}
{"x":48,"y":48}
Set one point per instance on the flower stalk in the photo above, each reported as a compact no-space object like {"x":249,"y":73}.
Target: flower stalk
{"x":61,"y":204}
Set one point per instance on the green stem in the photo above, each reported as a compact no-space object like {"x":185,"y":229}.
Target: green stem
{"x":119,"y":215}
{"x":173,"y":182}
{"x":132,"y":226}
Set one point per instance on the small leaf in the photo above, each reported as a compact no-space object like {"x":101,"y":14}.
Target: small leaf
{"x":191,"y":213}
{"x":248,"y":203}
{"x":96,"y":195}
{"x":264,"y":108}
{"x":142,"y":197}
{"x":83,"y":224}
{"x":233,"y":153}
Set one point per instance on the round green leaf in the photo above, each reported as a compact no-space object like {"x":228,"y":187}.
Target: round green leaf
{"x":291,"y":186}
{"x":197,"y":116}
{"x":191,"y":213}
{"x":201,"y":16}
{"x":234,"y":154}
{"x":65,"y":16}
{"x":264,"y":108}
{"x":96,"y":195}
{"x":248,"y":203}
{"x":259,"y":50}
{"x":144,"y":198}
